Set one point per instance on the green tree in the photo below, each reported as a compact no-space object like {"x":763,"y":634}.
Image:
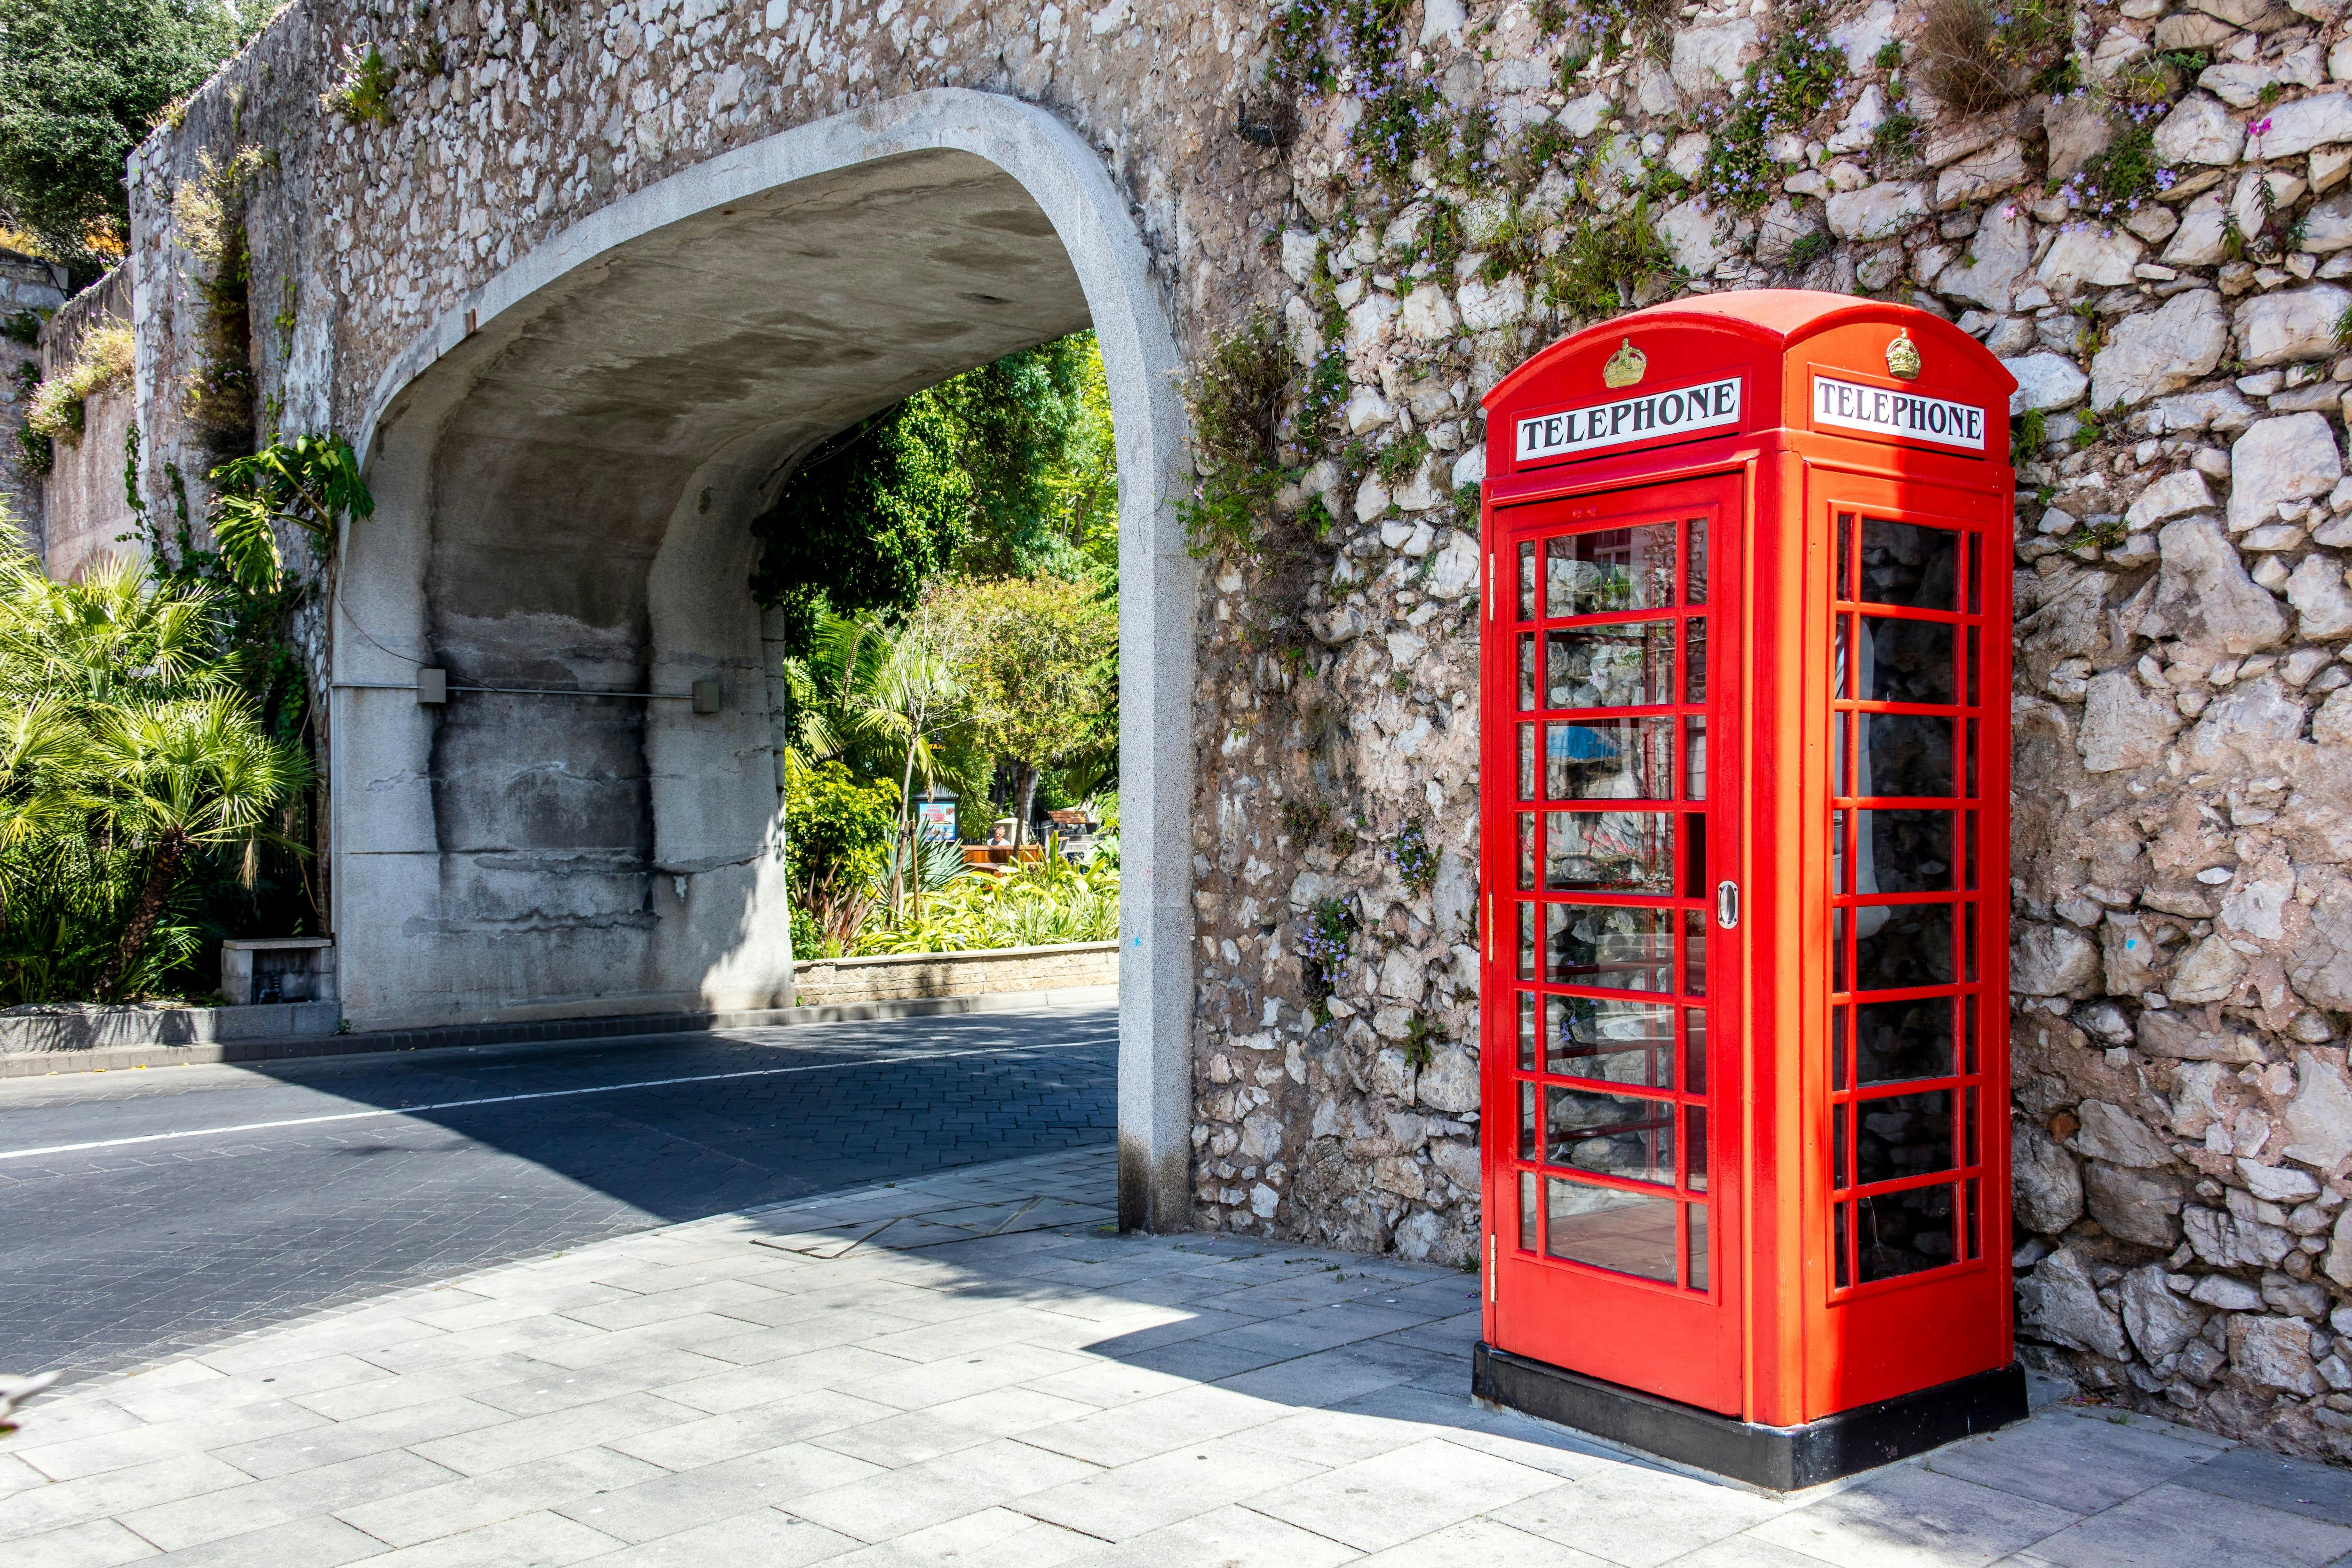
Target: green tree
{"x":81,"y":81}
{"x":127,"y":751}
{"x":1036,"y":654}
{"x":865,"y":521}
{"x":1008,"y":470}
{"x":1035,"y":431}
{"x":837,"y":836}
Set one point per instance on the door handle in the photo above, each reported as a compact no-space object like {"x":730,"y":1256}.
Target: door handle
{"x":1727,"y":905}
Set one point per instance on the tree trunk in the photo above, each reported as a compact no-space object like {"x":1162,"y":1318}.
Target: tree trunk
{"x":901,"y":852}
{"x":1025,"y":800}
{"x":162,"y":872}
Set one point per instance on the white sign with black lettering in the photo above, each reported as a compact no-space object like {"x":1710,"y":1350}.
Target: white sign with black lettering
{"x":1885,"y":413}
{"x":1643,"y":419}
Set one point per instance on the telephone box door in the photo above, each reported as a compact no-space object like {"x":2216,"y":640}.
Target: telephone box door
{"x":1613,"y":997}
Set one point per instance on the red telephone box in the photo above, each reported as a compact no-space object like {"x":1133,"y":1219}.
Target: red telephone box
{"x":1744,"y":805}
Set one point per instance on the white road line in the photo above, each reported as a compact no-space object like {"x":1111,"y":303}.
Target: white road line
{"x":510,"y":1099}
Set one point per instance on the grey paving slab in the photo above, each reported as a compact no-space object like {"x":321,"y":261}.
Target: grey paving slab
{"x":1230,"y":1537}
{"x":991,"y":1538}
{"x":2182,"y":1527}
{"x":318,"y":1542}
{"x":1127,"y":1433}
{"x":768,"y":1538}
{"x":2075,"y":1461}
{"x":688,"y":1444}
{"x":1481,"y":1544}
{"x":1393,"y":1498}
{"x":93,"y":1543}
{"x":233,"y":1510}
{"x":989,"y":1475}
{"x":2303,"y":1487}
{"x":1628,"y":1514}
{"x":530,"y":1540}
{"x":459,"y":1505}
{"x":1913,"y":1518}
{"x":665,"y":1504}
{"x":115,"y":1493}
{"x":1116,"y":1504}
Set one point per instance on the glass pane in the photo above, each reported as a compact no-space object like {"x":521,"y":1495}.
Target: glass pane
{"x":1907,"y":661}
{"x":1612,"y":948}
{"x":1840,"y":727}
{"x":1609,"y":568}
{"x":1968,"y":942}
{"x":1527,"y":1203}
{"x":1902,"y":945}
{"x":1837,"y":1246}
{"x":1694,"y":757}
{"x":1845,"y":555}
{"x":1970,"y":1218}
{"x":1526,"y":851}
{"x":1838,"y":971}
{"x":1530,"y":1041}
{"x":1968,"y":669}
{"x":1610,"y":759}
{"x":1903,"y":754}
{"x":1695,"y":883}
{"x":1695,"y":573}
{"x":1528,"y":1150}
{"x":1695,"y":1148}
{"x":1904,"y":1233}
{"x":1527,"y":762}
{"x":1903,"y":852}
{"x":1841,"y":1169}
{"x":1896,"y":1040}
{"x":1527,"y":580}
{"x":1902,"y":564}
{"x":1630,"y":1233}
{"x":1902,"y":1135}
{"x":1527,"y":918}
{"x":1975,"y":577}
{"x":1969,"y":851}
{"x":1697,"y":1213}
{"x":1615,"y":1042}
{"x":1613,"y":1134}
{"x":1609,"y":851}
{"x":1841,"y":1020}
{"x":1695,"y":659}
{"x":1967,"y":1033}
{"x":1695,"y":952}
{"x":1968,"y":784}
{"x":1526,"y":670}
{"x":1694,"y":1050}
{"x":1629,"y":665}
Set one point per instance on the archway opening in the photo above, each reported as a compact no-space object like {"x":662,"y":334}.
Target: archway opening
{"x":567,"y":481}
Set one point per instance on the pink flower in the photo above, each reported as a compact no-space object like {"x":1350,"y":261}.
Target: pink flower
{"x":2259,"y":127}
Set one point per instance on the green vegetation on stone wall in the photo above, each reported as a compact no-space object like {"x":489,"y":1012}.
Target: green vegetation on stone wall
{"x":81,"y":81}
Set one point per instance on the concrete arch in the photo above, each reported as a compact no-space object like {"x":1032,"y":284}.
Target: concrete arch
{"x":564,"y":465}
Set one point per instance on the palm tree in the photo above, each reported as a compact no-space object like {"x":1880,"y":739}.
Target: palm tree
{"x":173,"y":775}
{"x":916,"y":701}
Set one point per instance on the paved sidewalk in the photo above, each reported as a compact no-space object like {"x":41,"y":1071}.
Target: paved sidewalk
{"x":970,"y":1369}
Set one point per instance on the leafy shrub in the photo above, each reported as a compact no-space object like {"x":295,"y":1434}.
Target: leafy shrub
{"x":837,"y":838}
{"x":102,"y":362}
{"x":363,"y":96}
{"x":1975,"y":58}
{"x":1801,"y":71}
{"x":1037,"y":903}
{"x":1604,"y":265}
{"x":1237,"y":400}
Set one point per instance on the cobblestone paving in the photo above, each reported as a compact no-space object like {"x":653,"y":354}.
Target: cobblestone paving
{"x":112,"y":1255}
{"x":902,"y":1376}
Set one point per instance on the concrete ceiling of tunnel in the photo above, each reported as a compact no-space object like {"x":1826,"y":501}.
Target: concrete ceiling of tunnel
{"x":787,"y":315}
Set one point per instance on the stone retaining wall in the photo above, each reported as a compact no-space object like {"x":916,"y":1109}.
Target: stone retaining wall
{"x":35,"y":1031}
{"x":825,"y":982}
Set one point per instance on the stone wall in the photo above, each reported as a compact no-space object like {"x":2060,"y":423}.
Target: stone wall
{"x":85,"y":503}
{"x":819,"y":982}
{"x":27,"y":283}
{"x":2184,"y":957}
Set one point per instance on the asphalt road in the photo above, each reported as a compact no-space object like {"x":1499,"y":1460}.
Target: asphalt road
{"x":147,"y":1211}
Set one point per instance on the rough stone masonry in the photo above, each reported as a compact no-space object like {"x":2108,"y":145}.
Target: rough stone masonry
{"x":2182,"y":1117}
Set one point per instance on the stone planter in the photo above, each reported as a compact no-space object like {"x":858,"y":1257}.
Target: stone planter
{"x":70,"y":1027}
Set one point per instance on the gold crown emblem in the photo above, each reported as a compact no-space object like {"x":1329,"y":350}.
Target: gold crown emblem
{"x":1625,"y":367}
{"x":1903,"y":356}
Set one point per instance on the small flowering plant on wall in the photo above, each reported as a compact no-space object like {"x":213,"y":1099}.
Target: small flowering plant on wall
{"x":1414,"y":857}
{"x":1323,"y":949}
